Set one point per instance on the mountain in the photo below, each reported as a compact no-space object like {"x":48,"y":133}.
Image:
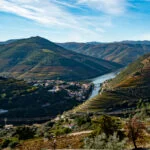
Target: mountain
{"x":137,"y":42}
{"x":120,"y":52}
{"x":123,"y":92}
{"x":94,"y":43}
{"x":38,"y":58}
{"x":8,"y":42}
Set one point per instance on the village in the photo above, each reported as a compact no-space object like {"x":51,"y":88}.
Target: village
{"x":77,"y":90}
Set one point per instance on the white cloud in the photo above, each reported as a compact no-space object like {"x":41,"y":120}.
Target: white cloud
{"x":51,"y":15}
{"x":65,"y":4}
{"x":114,"y":7}
{"x":55,"y":14}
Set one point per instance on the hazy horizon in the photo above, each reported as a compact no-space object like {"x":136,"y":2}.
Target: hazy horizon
{"x":79,"y":41}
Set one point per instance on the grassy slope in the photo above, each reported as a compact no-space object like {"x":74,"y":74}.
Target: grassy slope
{"x":63,"y":142}
{"x":123,"y":53}
{"x":124,"y":91}
{"x":39,"y":58}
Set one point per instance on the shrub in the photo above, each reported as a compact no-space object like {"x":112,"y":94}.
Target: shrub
{"x":61,"y":131}
{"x":5,"y":143}
{"x":105,"y":143}
{"x":108,"y":125}
{"x":24,"y":133}
{"x":82,"y":120}
{"x":49,"y":124}
{"x":13,"y":144}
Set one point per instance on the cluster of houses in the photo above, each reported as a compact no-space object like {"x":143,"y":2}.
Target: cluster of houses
{"x":83,"y":92}
{"x":77,"y":90}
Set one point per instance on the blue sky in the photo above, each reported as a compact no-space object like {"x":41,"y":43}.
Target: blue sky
{"x":75,"y":20}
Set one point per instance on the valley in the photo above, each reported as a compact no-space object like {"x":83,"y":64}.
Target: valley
{"x":99,"y":80}
{"x":74,"y":74}
{"x":37,"y":58}
{"x":53,"y":98}
{"x":124,"y":91}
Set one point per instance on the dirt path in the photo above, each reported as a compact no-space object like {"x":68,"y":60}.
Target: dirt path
{"x":79,"y":133}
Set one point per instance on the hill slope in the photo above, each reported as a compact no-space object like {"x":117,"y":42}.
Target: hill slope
{"x":38,"y":58}
{"x":124,"y":91}
{"x":23,"y":100}
{"x":121,"y":52}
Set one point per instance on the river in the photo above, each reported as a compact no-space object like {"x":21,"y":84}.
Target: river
{"x":98,"y":80}
{"x":2,"y":111}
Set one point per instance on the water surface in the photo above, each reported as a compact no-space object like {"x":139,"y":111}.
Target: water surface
{"x":99,"y":80}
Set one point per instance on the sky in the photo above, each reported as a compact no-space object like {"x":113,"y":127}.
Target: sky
{"x":75,"y":20}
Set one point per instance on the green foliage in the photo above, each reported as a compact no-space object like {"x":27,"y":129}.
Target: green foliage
{"x":5,"y":143}
{"x":13,"y":144}
{"x":61,"y":131}
{"x":108,"y":125}
{"x":104,"y":142}
{"x":25,"y":101}
{"x":9,"y":142}
{"x":3,"y":95}
{"x":49,"y":124}
{"x":24,"y":132}
{"x":80,"y":120}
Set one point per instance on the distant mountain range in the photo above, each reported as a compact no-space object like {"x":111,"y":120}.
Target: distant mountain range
{"x":123,"y":92}
{"x":37,"y":58}
{"x":123,"y":52}
{"x":8,"y":42}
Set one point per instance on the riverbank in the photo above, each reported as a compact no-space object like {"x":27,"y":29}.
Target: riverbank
{"x":98,"y":81}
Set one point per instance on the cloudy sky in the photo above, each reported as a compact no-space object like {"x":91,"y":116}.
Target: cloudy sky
{"x":75,"y":20}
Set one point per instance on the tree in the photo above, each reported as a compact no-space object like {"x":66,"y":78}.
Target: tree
{"x":108,"y":125}
{"x":24,"y":132}
{"x":135,"y":131}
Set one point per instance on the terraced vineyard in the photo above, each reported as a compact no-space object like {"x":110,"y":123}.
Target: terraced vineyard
{"x":124,"y":91}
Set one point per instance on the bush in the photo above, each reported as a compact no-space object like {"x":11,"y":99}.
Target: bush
{"x":13,"y":144}
{"x":24,"y":133}
{"x":82,"y":120}
{"x":61,"y":131}
{"x":49,"y":124}
{"x":105,"y":143}
{"x":5,"y":143}
{"x":47,"y":135}
{"x":108,"y":125}
{"x":137,"y":74}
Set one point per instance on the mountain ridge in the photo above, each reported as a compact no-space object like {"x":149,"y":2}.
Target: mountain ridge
{"x":39,"y":58}
{"x":123,"y":52}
